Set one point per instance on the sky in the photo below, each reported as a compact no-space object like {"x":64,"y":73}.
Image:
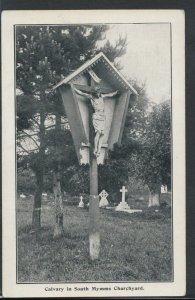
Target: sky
{"x":148,"y":58}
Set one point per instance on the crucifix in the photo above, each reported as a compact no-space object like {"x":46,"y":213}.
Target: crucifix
{"x":97,"y":121}
{"x":96,"y":97}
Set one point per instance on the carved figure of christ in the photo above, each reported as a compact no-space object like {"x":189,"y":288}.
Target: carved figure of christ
{"x":98,"y":118}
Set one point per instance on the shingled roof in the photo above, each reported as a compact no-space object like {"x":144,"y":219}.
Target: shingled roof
{"x":104,"y":68}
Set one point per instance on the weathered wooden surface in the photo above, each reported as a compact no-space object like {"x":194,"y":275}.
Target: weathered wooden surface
{"x":74,"y":117}
{"x":94,"y":234}
{"x":118,"y":120}
{"x":58,"y":227}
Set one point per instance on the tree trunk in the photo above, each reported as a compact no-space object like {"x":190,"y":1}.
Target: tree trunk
{"x":58,"y":227}
{"x":154,"y":196}
{"x":36,"y":217}
{"x":39,"y":172}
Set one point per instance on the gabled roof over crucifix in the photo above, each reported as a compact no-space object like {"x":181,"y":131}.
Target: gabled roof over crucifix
{"x":97,"y":73}
{"x":105,"y":70}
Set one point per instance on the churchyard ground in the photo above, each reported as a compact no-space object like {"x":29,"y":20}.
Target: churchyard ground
{"x":134,"y":247}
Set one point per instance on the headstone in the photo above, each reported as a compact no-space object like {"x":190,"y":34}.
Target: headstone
{"x":81,"y":203}
{"x":103,"y":201}
{"x":163,"y":189}
{"x":123,"y":205}
{"x":44,"y":197}
{"x":22,"y":196}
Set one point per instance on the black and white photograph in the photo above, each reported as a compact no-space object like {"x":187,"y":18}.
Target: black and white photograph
{"x":94,"y":105}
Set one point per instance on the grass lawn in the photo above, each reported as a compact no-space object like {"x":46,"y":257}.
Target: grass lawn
{"x":134,"y":247}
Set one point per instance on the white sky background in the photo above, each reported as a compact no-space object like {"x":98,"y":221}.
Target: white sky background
{"x":148,"y":56}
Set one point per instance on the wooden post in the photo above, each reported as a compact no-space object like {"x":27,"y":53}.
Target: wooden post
{"x":58,"y":227}
{"x":94,"y":235}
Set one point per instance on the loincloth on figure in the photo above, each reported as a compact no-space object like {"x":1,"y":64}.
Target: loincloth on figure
{"x":99,"y":122}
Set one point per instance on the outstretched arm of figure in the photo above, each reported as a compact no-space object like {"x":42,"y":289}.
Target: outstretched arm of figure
{"x":82,"y":93}
{"x":110,"y":94}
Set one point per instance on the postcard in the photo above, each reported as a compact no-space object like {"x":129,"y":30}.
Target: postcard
{"x":93,"y":148}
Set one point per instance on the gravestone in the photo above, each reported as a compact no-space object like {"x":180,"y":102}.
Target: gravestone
{"x":81,"y":203}
{"x":123,"y":205}
{"x":44,"y":196}
{"x":22,"y":196}
{"x":103,"y":201}
{"x":163,"y":189}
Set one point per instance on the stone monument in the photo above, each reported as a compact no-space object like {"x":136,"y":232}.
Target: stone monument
{"x":123,"y":205}
{"x":103,"y":201}
{"x":81,"y":203}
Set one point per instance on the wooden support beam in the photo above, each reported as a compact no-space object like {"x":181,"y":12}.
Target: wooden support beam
{"x":94,"y":234}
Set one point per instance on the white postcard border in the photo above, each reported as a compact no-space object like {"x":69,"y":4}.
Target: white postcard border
{"x":11,"y":18}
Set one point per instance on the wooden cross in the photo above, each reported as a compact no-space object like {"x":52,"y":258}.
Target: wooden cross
{"x":123,"y":191}
{"x":94,"y":234}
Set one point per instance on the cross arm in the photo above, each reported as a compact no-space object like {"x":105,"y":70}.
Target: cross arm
{"x":89,"y":89}
{"x":87,"y":95}
{"x":109,"y":95}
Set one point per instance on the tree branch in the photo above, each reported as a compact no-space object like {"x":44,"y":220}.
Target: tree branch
{"x":24,"y":150}
{"x":49,"y":126}
{"x":30,"y":136}
{"x":35,"y":121}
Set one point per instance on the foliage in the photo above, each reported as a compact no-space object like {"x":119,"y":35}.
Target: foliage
{"x":115,"y":172}
{"x":153,"y":164}
{"x":115,"y":51}
{"x":137,"y":113}
{"x":60,"y":150}
{"x":75,"y":179}
{"x":26,"y":108}
{"x":136,"y":187}
{"x":25,"y":181}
